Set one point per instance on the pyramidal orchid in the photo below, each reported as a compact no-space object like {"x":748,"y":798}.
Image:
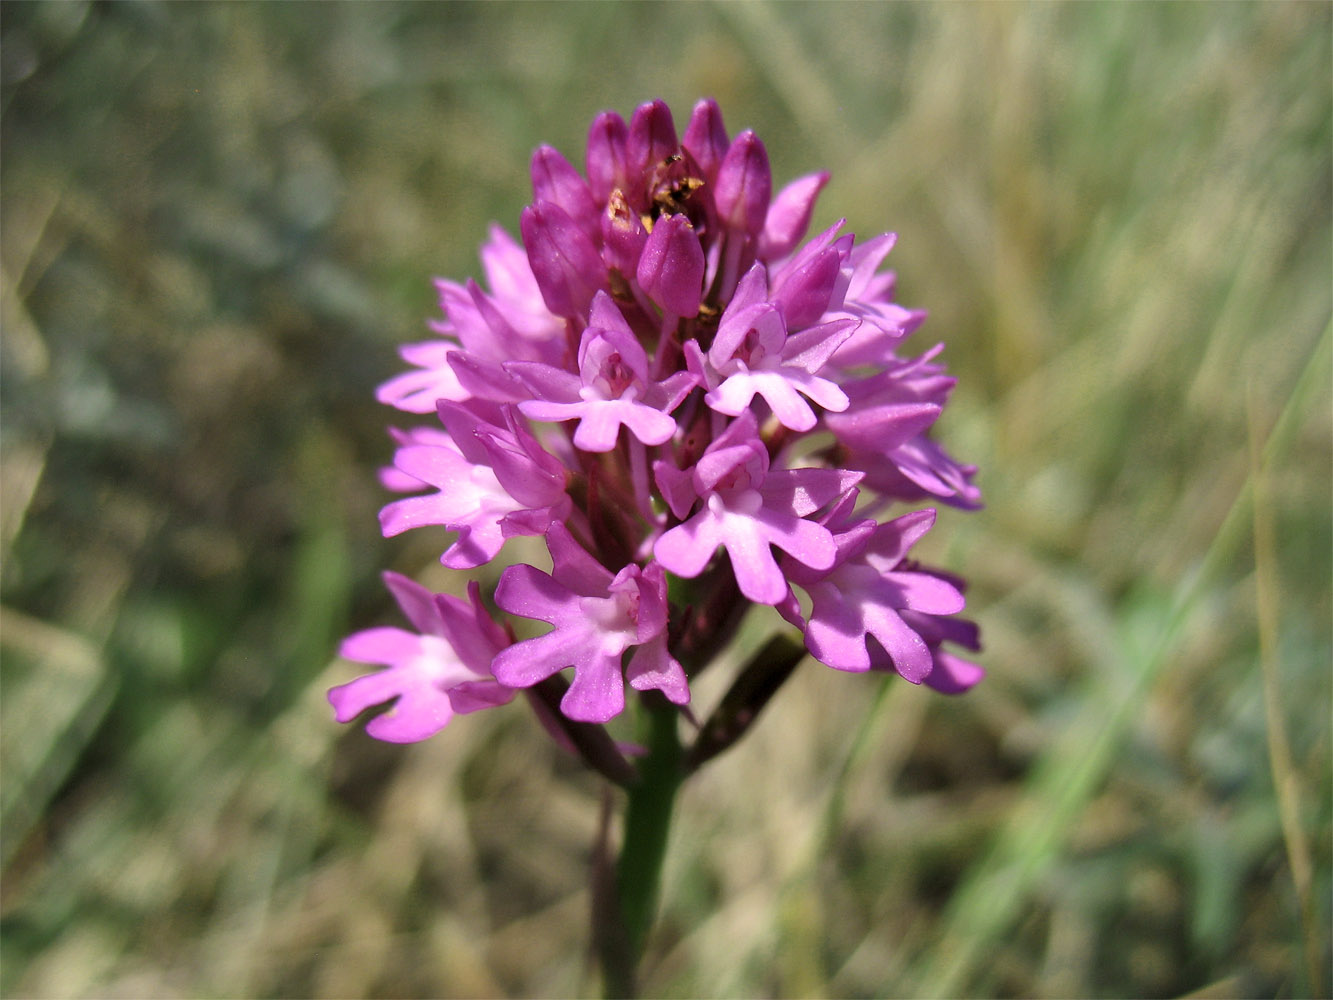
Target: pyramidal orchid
{"x":697,"y":409}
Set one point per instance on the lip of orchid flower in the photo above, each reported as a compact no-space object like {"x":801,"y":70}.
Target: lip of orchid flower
{"x":752,"y":354}
{"x":884,"y":433}
{"x":745,"y":507}
{"x":863,"y":592}
{"x":597,"y":618}
{"x":950,"y":673}
{"x":511,"y":322}
{"x":612,"y":389}
{"x":491,"y":482}
{"x":431,"y":675}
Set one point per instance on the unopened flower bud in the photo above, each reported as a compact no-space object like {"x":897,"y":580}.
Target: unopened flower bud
{"x":652,"y":137}
{"x":605,"y":159}
{"x":568,"y":269}
{"x":671,"y":269}
{"x":555,"y":181}
{"x":706,"y":137}
{"x":744,"y":185}
{"x":623,"y":235}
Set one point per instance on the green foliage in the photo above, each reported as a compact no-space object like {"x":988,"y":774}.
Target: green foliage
{"x":219,"y":220}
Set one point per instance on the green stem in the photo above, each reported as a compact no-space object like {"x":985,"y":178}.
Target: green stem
{"x":647,"y":824}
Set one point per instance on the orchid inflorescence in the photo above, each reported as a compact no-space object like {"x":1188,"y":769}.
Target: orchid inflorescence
{"x":697,"y":412}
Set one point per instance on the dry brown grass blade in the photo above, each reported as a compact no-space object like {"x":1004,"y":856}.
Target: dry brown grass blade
{"x":1287,"y":779}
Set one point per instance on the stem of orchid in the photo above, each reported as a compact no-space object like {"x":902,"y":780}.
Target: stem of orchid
{"x":642,"y":485}
{"x":647,"y":824}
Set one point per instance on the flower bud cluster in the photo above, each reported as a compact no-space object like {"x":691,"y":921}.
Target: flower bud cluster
{"x":697,"y":409}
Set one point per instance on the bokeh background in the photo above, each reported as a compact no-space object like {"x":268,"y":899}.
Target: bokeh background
{"x":219,"y":220}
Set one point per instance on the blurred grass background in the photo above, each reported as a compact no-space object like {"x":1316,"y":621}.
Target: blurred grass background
{"x":220,"y":219}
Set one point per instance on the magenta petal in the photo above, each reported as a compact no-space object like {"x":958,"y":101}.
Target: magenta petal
{"x":567,"y":266}
{"x":420,"y":712}
{"x":623,"y":235}
{"x":789,"y":215}
{"x":807,"y":541}
{"x":533,"y":660}
{"x":804,"y":491}
{"x":910,"y":654}
{"x":554,"y":180}
{"x":803,"y":294}
{"x":650,"y":426}
{"x":529,"y":593}
{"x":706,"y":137}
{"x":653,"y":668}
{"x":757,"y":572}
{"x":734,"y":395}
{"x":605,"y":162}
{"x":417,"y":602}
{"x":411,"y":720}
{"x":686,"y":549}
{"x":572,"y":566}
{"x":473,"y":696}
{"x":744,"y":185}
{"x":952,"y":674}
{"x":597,"y":693}
{"x":418,"y":512}
{"x":894,"y":539}
{"x":599,"y":427}
{"x":379,"y":645}
{"x":835,"y":634}
{"x":545,"y":382}
{"x":671,"y":269}
{"x":927,"y":594}
{"x":652,"y":136}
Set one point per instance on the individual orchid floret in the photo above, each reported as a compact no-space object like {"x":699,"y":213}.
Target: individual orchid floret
{"x":611,"y":390}
{"x":865,"y":591}
{"x":752,"y":354}
{"x":651,"y":141}
{"x":744,"y":185}
{"x":492,"y":480}
{"x":440,"y":670}
{"x":512,"y":322}
{"x":731,"y":499}
{"x":884,"y":433}
{"x":604,"y":161}
{"x":922,"y":469}
{"x":394,"y":479}
{"x":869,"y":298}
{"x":814,"y":280}
{"x":431,"y":379}
{"x":597,"y":617}
{"x":705,"y":138}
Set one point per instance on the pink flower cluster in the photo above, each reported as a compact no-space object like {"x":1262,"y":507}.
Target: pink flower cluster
{"x":696,"y":410}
